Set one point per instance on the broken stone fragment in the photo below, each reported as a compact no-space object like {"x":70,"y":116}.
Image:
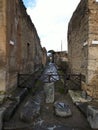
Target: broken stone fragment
{"x":62,"y":109}
{"x":92,"y":116}
{"x":31,"y":110}
{"x":77,"y":96}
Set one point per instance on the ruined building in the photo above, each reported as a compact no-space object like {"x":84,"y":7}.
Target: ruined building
{"x":20,"y":48}
{"x":83,"y":45}
{"x":60,"y":56}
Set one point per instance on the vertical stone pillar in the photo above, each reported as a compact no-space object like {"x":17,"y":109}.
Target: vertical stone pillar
{"x":49,"y":92}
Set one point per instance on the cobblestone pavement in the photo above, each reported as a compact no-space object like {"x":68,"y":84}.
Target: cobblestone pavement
{"x":50,"y":73}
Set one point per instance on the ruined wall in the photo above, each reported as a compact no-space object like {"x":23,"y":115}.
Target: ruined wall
{"x":38,"y":54}
{"x":83,"y":44}
{"x":77,"y":37}
{"x":20,"y":43}
{"x":60,"y":56}
{"x":44,"y":59}
{"x":2,"y":45}
{"x":93,"y":49}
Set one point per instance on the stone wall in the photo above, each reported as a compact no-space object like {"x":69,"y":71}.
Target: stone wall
{"x":93,"y":49}
{"x":44,"y":59}
{"x":60,"y":56}
{"x":2,"y":45}
{"x":83,"y":44}
{"x":77,"y":36}
{"x":20,"y":48}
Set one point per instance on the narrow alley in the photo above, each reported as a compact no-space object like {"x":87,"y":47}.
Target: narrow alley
{"x":36,"y":113}
{"x":42,"y":85}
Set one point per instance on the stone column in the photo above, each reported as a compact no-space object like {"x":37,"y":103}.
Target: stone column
{"x":49,"y":92}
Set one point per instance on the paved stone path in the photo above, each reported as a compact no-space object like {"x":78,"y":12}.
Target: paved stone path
{"x":47,"y":120}
{"x":50,"y":73}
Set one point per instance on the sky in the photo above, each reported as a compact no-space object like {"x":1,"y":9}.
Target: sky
{"x":51,"y":18}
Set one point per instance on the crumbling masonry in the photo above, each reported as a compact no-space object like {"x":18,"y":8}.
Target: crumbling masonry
{"x":83,"y":45}
{"x":20,"y":49}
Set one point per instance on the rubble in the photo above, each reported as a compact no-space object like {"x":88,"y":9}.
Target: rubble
{"x":62,"y":109}
{"x":14,"y":100}
{"x":34,"y":113}
{"x":77,"y":96}
{"x":31,"y":110}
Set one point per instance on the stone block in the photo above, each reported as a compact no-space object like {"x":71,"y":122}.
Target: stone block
{"x":2,"y":110}
{"x":10,"y":110}
{"x":2,"y":96}
{"x":16,"y":98}
{"x":92,"y":116}
{"x":49,"y":92}
{"x":31,"y":110}
{"x":82,"y":107}
{"x":62,"y":109}
{"x":77,"y":96}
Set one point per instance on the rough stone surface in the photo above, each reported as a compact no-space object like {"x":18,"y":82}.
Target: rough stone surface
{"x":15,"y":99}
{"x":83,"y":44}
{"x":19,"y":94}
{"x":77,"y":96}
{"x":49,"y":92}
{"x":20,"y":48}
{"x":83,"y":107}
{"x":92,"y":116}
{"x":2,"y":96}
{"x":60,"y":56}
{"x":31,"y":110}
{"x":2,"y":110}
{"x":62,"y":109}
{"x":10,"y":110}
